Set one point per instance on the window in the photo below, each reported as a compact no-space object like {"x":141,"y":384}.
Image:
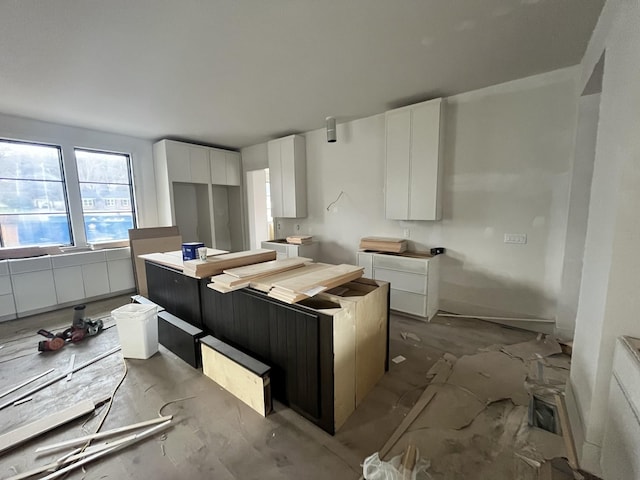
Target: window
{"x":107,"y":195}
{"x":33,"y":202}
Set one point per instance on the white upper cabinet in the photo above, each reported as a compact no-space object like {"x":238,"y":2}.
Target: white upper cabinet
{"x":413,"y":161}
{"x":225,"y":167}
{"x":185,"y":163}
{"x":288,"y":176}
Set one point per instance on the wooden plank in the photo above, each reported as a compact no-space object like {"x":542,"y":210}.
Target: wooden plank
{"x":237,"y":379}
{"x":300,"y":239}
{"x":267,"y":268}
{"x":42,"y":425}
{"x":96,"y":436}
{"x":510,"y":319}
{"x":324,"y":277}
{"x":264,"y":284}
{"x":60,"y":377}
{"x":219,"y":263}
{"x":344,"y":362}
{"x":383,"y":244}
{"x":567,"y":434}
{"x":163,"y":259}
{"x":443,"y":367}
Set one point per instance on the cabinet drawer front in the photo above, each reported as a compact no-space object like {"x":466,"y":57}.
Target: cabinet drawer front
{"x":278,"y":247}
{"x":409,"y":303}
{"x":407,"y":282}
{"x":76,"y":259}
{"x":30,"y":265}
{"x":404,"y":264}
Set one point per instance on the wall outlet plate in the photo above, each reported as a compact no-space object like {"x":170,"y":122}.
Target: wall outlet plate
{"x":517,"y":238}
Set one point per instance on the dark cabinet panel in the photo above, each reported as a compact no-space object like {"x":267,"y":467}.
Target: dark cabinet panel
{"x":177,"y":293}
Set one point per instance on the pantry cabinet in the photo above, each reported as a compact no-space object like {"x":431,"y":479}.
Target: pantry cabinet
{"x":288,"y":176}
{"x":413,"y":161}
{"x":198,"y":189}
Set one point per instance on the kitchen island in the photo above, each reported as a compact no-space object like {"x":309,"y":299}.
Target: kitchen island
{"x":326,"y":353}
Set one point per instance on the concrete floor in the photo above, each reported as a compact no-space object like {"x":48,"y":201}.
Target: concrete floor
{"x":214,"y":434}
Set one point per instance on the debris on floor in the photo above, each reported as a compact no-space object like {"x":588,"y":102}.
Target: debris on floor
{"x":410,"y":336}
{"x":398,"y":359}
{"x":405,"y":466}
{"x":492,"y":414}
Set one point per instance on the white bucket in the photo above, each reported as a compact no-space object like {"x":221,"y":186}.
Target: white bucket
{"x":137,"y":329}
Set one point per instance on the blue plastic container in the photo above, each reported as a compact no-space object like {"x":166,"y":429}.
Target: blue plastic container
{"x":190,"y":250}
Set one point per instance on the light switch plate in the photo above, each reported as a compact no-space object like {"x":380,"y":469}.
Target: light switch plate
{"x":517,"y":238}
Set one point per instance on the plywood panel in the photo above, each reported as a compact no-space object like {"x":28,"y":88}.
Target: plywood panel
{"x":150,"y":240}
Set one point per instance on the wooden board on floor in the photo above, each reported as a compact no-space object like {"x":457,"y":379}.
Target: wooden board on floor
{"x":239,"y":374}
{"x":219,"y":263}
{"x":34,"y":429}
{"x":150,"y":240}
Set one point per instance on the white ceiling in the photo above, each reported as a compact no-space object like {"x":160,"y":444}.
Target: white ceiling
{"x":234,"y":73}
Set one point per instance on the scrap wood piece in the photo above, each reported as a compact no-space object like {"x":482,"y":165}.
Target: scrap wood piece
{"x":383,"y":244}
{"x":300,"y":239}
{"x":335,"y":275}
{"x":444,"y":369}
{"x":267,"y":268}
{"x":219,"y":263}
{"x":498,"y":319}
{"x":42,"y":425}
{"x":107,"y":433}
{"x":533,"y":349}
{"x":60,"y":377}
{"x":26,"y":382}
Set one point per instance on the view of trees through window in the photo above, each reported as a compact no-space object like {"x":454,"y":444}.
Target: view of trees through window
{"x":33,"y":206}
{"x":106,"y":191}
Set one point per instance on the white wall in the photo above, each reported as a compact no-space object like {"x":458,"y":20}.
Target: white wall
{"x":508,"y":152}
{"x":17,"y":128}
{"x":609,"y":301}
{"x":581,"y":178}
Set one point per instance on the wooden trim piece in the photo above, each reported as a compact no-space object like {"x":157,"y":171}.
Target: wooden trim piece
{"x":443,"y":367}
{"x":237,"y":378}
{"x":34,"y":429}
{"x":264,"y":284}
{"x":27,"y":382}
{"x":510,"y":319}
{"x":267,"y":268}
{"x":60,"y":377}
{"x":108,"y":433}
{"x":567,"y":434}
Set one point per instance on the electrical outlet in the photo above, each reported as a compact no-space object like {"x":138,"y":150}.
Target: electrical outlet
{"x":406,"y":232}
{"x":518,"y":238}
{"x":278,"y":225}
{"x":297,"y":227}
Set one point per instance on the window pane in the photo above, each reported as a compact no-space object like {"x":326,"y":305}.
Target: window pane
{"x":102,"y":167}
{"x":31,"y":196}
{"x":28,"y":161}
{"x":33,"y":203}
{"x":106,"y":192}
{"x":34,"y":229}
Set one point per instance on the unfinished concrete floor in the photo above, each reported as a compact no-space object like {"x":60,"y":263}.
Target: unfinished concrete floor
{"x":214,"y":434}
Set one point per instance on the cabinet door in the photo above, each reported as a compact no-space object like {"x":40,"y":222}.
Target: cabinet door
{"x":69,"y":284}
{"x":275,"y":177}
{"x":96,"y":279}
{"x":218,"y":167}
{"x":288,"y":175}
{"x":34,"y":290}
{"x":178,"y":162}
{"x":120,"y":275}
{"x":199,"y":164}
{"x":425,"y":157}
{"x":398,"y":132}
{"x":233,"y":168}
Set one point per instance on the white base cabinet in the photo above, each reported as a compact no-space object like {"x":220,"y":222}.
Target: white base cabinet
{"x":287,"y":250}
{"x":414,"y":281}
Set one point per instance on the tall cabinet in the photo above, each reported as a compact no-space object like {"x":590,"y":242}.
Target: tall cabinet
{"x":198,"y":189}
{"x":288,"y":176}
{"x":413,"y":161}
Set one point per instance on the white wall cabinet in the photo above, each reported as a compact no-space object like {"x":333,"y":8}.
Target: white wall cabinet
{"x":287,"y":250}
{"x":414,"y":281}
{"x":225,"y":167}
{"x":413,"y":161}
{"x":288,"y":176}
{"x":185,"y":178}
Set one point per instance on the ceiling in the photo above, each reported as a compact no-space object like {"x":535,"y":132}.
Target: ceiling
{"x":234,"y":73}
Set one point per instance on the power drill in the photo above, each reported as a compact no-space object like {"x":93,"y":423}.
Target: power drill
{"x":81,"y":327}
